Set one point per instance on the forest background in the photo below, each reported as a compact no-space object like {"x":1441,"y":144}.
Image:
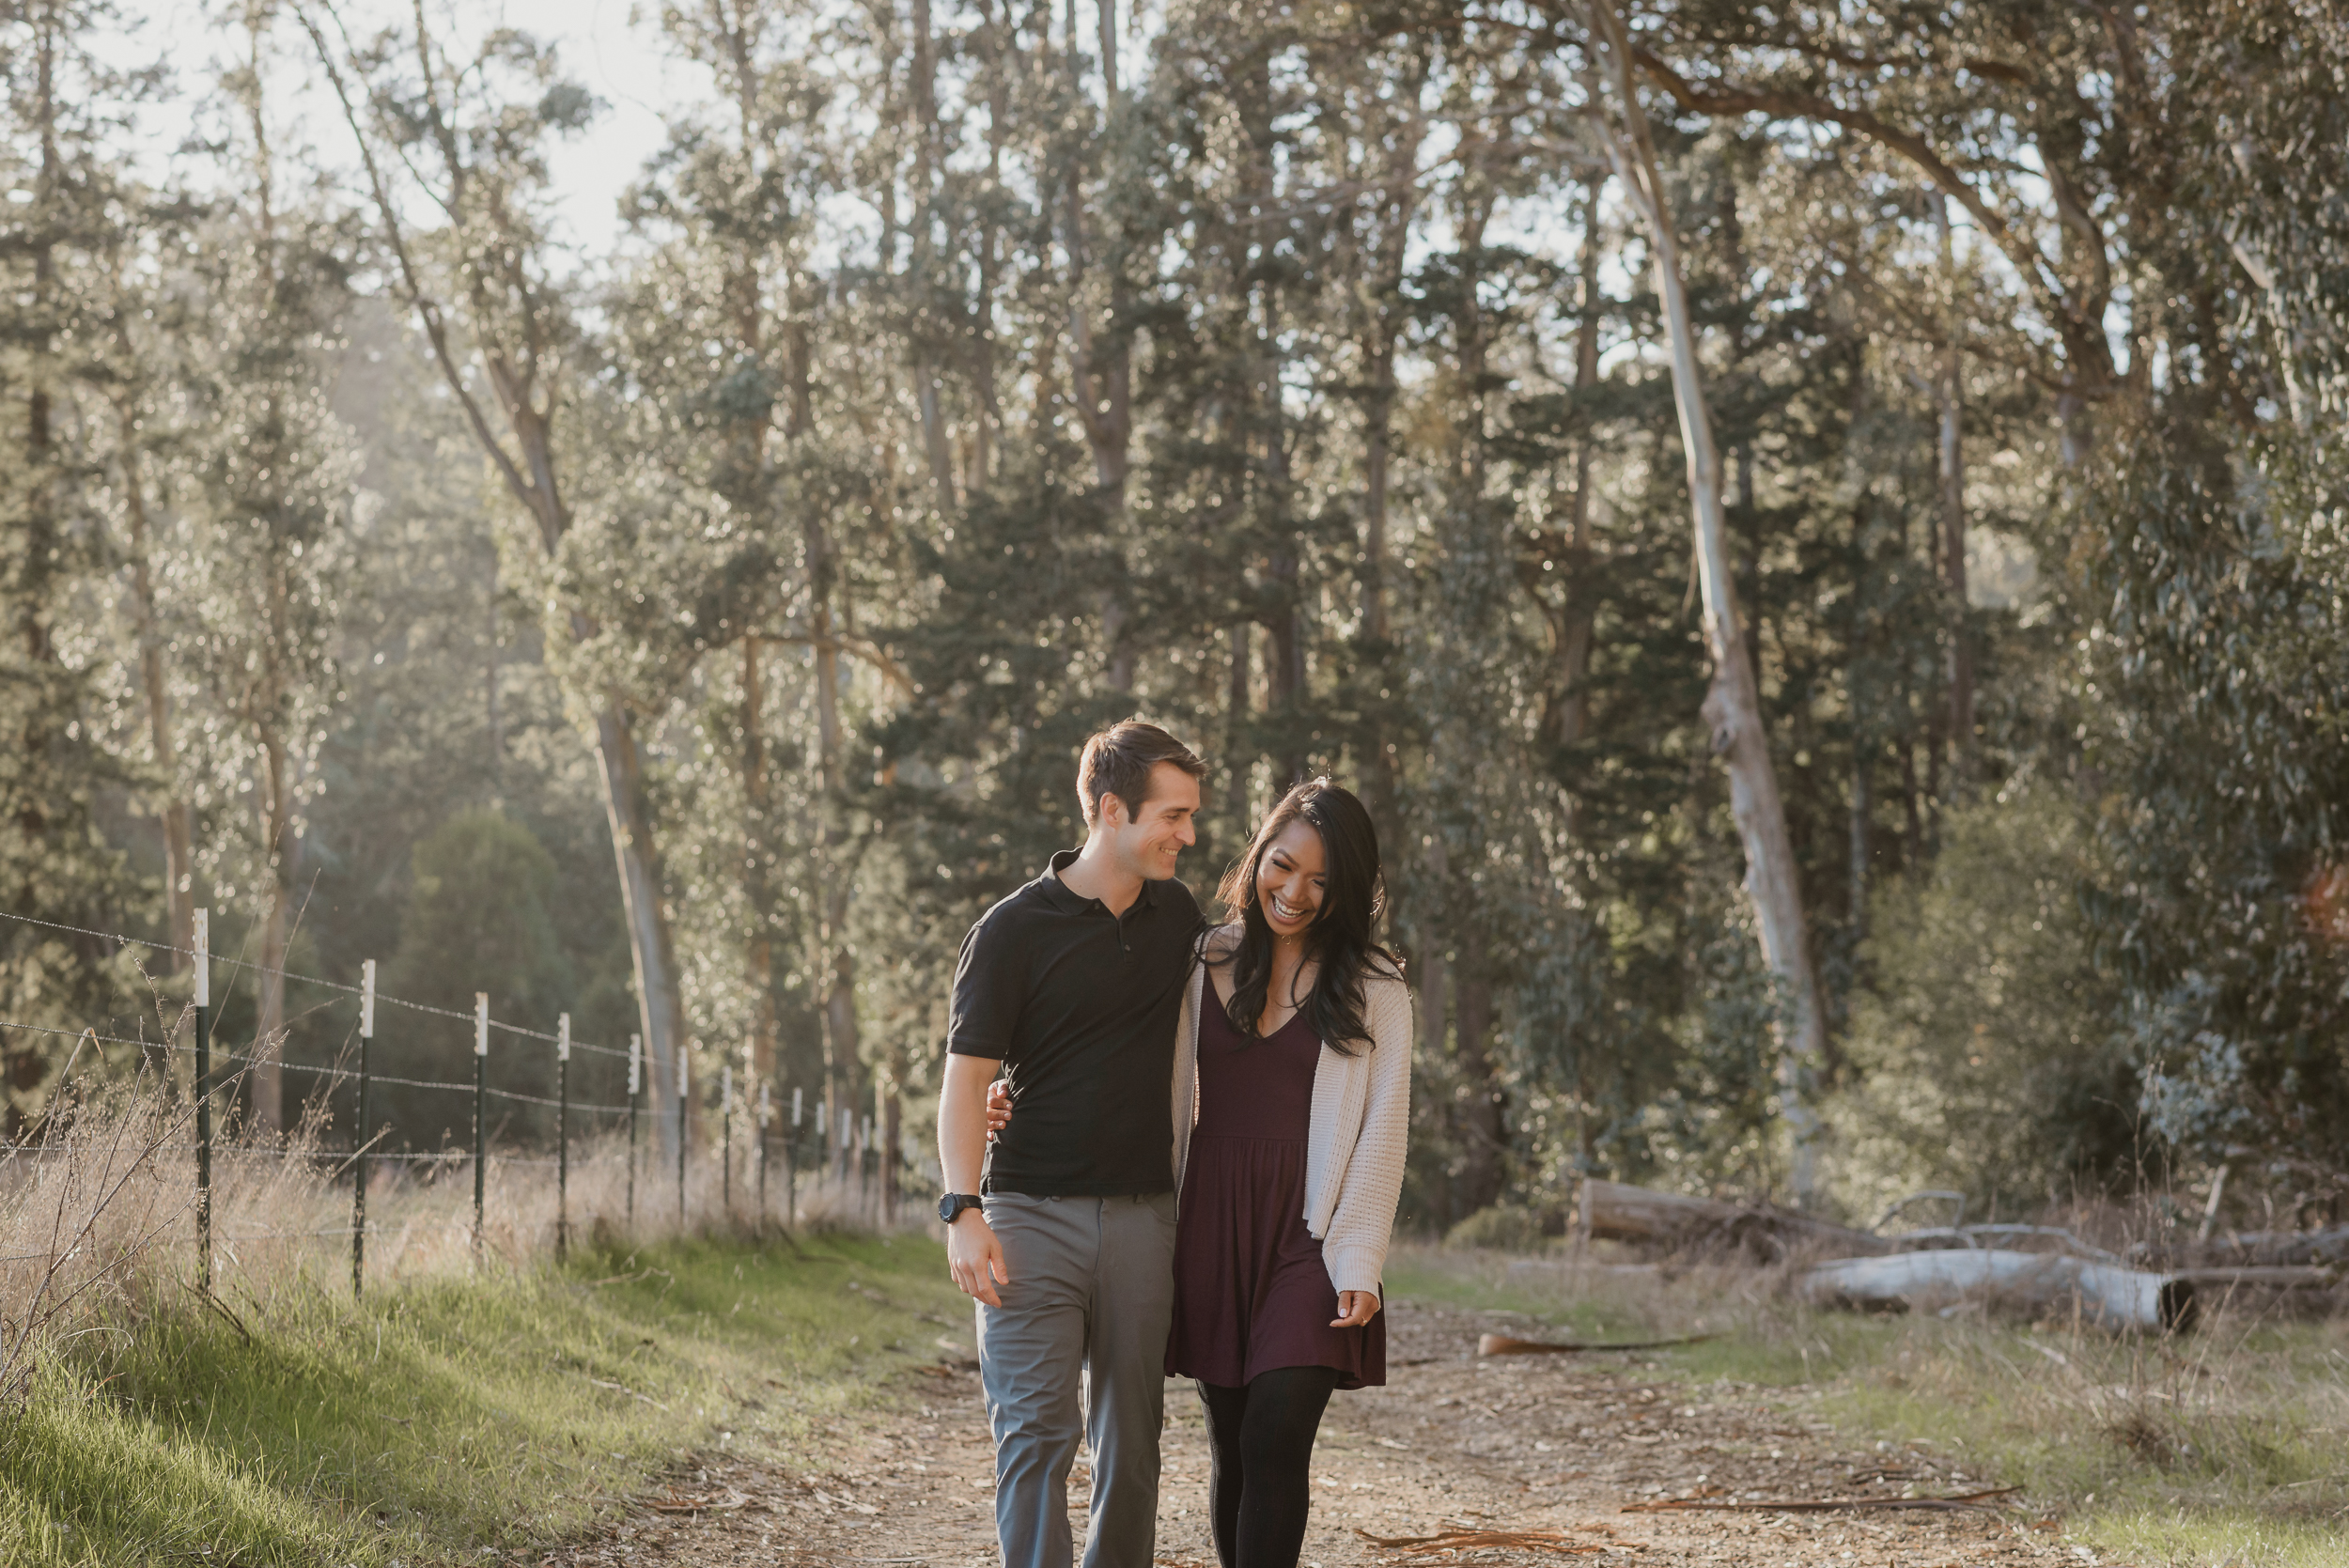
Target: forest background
{"x":693,"y":633}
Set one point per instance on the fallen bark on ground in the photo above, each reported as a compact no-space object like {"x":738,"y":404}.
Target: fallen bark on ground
{"x":1973,"y":1501}
{"x":1470,"y":1539}
{"x":1502,"y":1345}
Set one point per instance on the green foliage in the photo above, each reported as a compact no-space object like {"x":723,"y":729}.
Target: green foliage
{"x":480,"y":917}
{"x":2223,"y":655}
{"x":1301,"y":387}
{"x":1985,"y":1052}
{"x":480,"y":902}
{"x":441,"y":1417}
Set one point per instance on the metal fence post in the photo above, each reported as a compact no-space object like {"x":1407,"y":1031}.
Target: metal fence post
{"x":684,"y":1086}
{"x":562,"y":1137}
{"x":763,"y":1117}
{"x":635,"y":1099}
{"x":726,"y":1133}
{"x":204,"y":1099}
{"x":480,"y":1108}
{"x":359,"y":1155}
{"x":791,"y":1167}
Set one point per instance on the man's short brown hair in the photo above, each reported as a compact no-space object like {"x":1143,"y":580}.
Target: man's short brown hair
{"x":1119,"y":760}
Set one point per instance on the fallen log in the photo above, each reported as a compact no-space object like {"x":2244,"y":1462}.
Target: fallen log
{"x":2264,"y":1277}
{"x":2252,"y":1250}
{"x":1617,"y":1211}
{"x":2106,"y":1294}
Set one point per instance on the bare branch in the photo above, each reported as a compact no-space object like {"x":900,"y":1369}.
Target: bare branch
{"x":412,"y":286}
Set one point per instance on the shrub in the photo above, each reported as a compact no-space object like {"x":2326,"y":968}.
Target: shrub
{"x":1508,"y":1227}
{"x":1984,"y":1048}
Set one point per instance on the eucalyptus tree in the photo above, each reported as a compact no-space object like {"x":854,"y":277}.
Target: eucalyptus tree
{"x":262,"y":482}
{"x":73,"y":213}
{"x":772,"y":465}
{"x":1733,"y":705}
{"x":485,"y":289}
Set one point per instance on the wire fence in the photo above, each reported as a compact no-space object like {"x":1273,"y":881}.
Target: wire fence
{"x":768,"y":1167}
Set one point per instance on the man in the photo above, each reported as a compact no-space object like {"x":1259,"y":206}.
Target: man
{"x":1074,"y":986}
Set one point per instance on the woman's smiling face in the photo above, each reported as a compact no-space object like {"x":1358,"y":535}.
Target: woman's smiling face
{"x":1291,"y":878}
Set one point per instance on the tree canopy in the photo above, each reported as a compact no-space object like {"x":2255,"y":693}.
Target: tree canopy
{"x":700,"y":635}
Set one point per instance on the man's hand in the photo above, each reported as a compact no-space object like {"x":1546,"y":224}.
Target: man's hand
{"x":998,"y":1108}
{"x":976,"y":1258}
{"x":1355,"y":1307}
{"x":974,"y":1255}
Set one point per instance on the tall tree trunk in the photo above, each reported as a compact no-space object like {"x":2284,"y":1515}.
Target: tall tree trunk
{"x":1951,"y":383}
{"x":891,"y":1137}
{"x":761,"y":954}
{"x":1382,"y":317}
{"x":1914,"y":840}
{"x":998,"y":48}
{"x":1478,"y":1114}
{"x":489,"y":673}
{"x":1237,"y":703}
{"x":531,"y":472}
{"x":839,"y":1017}
{"x":178,"y":849}
{"x":1485,"y":1107}
{"x":1572,"y":604}
{"x":660,"y":1005}
{"x":281,"y":846}
{"x":1285,"y":672}
{"x":280,"y":857}
{"x":936,"y":446}
{"x":1733,"y":707}
{"x":1432,"y":966}
{"x":1100,"y":375}
{"x":1862,"y":810}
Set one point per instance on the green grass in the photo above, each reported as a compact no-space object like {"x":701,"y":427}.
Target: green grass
{"x":441,"y":1417}
{"x":2226,"y":1446}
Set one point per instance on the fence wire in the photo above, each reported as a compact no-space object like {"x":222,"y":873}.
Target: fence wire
{"x":239,"y":966}
{"x":832,"y":1170}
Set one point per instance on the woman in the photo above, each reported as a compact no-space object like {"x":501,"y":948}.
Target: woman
{"x":1305,"y":1039}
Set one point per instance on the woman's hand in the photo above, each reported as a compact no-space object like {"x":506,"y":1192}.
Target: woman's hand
{"x":998,"y":1108}
{"x":1355,"y":1308}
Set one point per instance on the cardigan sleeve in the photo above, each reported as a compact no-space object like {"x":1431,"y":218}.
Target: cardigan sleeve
{"x":1363,"y":1223}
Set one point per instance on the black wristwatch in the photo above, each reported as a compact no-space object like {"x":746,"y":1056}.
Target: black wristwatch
{"x":950,"y":1207}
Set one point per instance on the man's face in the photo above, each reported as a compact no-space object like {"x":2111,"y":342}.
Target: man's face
{"x":1148,"y":843}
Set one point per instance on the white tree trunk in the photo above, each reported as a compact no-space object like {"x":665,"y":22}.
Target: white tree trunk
{"x":1733,"y":708}
{"x":660,"y":1005}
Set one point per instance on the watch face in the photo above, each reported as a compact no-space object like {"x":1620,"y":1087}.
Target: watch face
{"x":946,"y":1208}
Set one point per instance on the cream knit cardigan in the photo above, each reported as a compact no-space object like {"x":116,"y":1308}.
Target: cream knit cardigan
{"x":1358,"y":1134}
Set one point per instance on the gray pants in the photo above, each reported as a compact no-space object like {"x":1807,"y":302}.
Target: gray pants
{"x":1092,"y":1292}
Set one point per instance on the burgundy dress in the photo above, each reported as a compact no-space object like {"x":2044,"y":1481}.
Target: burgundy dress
{"x":1250,"y":1290}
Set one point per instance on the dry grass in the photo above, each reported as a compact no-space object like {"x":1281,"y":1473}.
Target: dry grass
{"x":2218,"y":1446}
{"x":476,"y":1395}
{"x":98,"y":1218}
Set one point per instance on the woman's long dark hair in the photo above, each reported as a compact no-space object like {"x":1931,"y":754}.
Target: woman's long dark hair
{"x":1340,"y":938}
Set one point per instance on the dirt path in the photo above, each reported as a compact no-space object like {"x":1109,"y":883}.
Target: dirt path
{"x":1452,"y":1443}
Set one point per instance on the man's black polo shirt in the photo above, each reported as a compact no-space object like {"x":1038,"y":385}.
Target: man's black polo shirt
{"x":1079,"y":1006}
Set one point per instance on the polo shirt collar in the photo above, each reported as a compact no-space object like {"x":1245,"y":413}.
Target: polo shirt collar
{"x":1068,"y":900}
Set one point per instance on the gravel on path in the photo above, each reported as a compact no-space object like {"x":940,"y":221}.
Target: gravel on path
{"x":1453,"y":1443}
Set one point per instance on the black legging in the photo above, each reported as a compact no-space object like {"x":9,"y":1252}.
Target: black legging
{"x":1260,"y":1446}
